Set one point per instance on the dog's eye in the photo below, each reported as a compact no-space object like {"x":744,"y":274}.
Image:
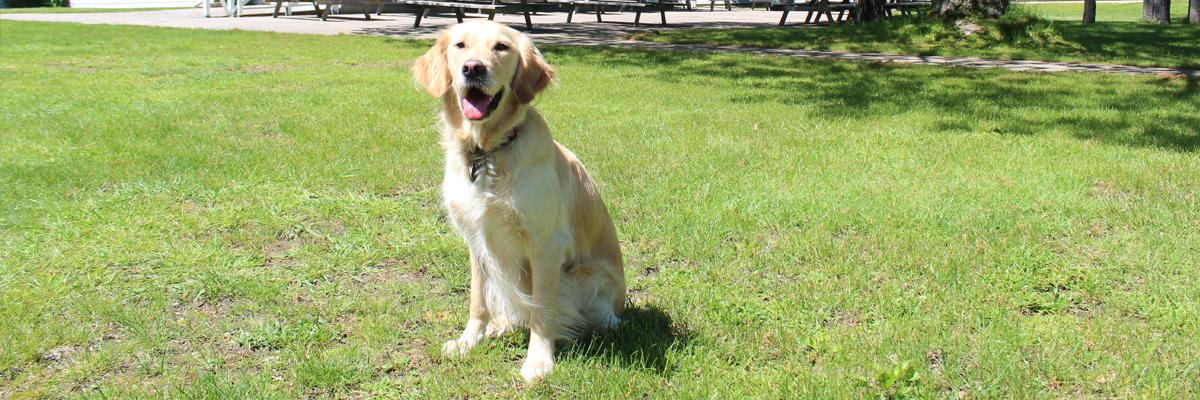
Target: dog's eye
{"x":500,"y":47}
{"x":460,"y":45}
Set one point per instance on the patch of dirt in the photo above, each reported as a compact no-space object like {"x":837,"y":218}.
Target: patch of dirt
{"x":648,"y":272}
{"x":277,"y":136}
{"x":62,"y":357}
{"x":934,"y":357}
{"x":186,"y":312}
{"x":71,"y":67}
{"x":410,"y":356}
{"x":638,"y":296}
{"x":401,"y":64}
{"x":844,"y":233}
{"x":391,"y":270}
{"x":189,"y":206}
{"x":1097,"y":230}
{"x":329,"y":227}
{"x":212,"y":348}
{"x":1060,"y":298}
{"x":842,"y":318}
{"x":58,"y":355}
{"x":260,"y":69}
{"x":1104,"y":189}
{"x":769,"y":242}
{"x":277,"y":253}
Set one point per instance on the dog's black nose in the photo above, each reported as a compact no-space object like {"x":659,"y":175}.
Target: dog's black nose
{"x":474,"y":69}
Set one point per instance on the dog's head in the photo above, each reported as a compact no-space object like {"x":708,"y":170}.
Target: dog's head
{"x":483,"y":65}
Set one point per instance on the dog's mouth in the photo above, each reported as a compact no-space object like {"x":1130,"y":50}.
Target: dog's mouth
{"x":477,"y":105}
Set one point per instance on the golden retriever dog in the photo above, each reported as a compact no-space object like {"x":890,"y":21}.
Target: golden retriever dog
{"x":543,"y":250}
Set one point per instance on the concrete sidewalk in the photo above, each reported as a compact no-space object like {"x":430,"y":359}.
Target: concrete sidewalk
{"x":551,"y":28}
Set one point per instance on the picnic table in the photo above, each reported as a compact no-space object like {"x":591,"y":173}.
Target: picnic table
{"x":817,"y":6}
{"x":422,"y":7}
{"x":573,"y":6}
{"x":662,"y":6}
{"x":905,"y":6}
{"x":826,"y":7}
{"x":324,"y":13}
{"x":521,"y":6}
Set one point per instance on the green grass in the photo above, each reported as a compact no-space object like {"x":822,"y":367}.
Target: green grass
{"x":1129,"y":12}
{"x":264,"y":222}
{"x":1023,"y":35}
{"x":69,"y":10}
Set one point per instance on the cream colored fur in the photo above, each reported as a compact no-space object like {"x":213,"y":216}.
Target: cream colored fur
{"x":543,"y":250}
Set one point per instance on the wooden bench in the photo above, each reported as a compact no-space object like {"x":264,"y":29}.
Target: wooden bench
{"x":423,"y":6}
{"x":324,"y":14}
{"x":662,"y":6}
{"x":712,"y":4}
{"x":573,"y":6}
{"x":637,"y":6}
{"x":816,"y":6}
{"x":766,"y":3}
{"x":459,"y":7}
{"x":905,"y":6}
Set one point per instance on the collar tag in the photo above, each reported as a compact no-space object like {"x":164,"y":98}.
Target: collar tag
{"x":479,"y":160}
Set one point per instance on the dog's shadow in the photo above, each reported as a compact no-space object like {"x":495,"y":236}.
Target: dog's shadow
{"x":643,"y":340}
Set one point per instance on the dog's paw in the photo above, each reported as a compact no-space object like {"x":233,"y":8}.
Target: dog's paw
{"x":456,"y":347}
{"x":498,"y":327}
{"x":536,"y":368}
{"x":610,"y":322}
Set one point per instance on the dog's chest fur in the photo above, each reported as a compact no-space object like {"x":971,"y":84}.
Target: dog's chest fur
{"x":498,"y":215}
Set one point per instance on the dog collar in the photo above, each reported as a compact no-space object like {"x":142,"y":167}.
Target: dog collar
{"x":479,"y":161}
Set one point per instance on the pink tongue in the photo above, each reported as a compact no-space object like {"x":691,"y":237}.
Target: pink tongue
{"x":475,"y":108}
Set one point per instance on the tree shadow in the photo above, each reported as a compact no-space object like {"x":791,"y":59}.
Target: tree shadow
{"x":1134,"y":39}
{"x":1118,"y":42}
{"x":643,"y":340}
{"x":1146,"y":111}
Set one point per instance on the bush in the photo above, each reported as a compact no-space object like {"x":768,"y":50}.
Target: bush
{"x":1017,"y":28}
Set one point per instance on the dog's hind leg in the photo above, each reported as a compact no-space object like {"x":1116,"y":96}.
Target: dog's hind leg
{"x":598,"y":295}
{"x":609,"y":304}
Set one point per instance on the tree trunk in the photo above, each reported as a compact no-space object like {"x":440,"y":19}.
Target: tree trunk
{"x":870,"y":10}
{"x":1194,"y":11}
{"x":1156,"y":11}
{"x":1089,"y":11}
{"x":956,"y":9}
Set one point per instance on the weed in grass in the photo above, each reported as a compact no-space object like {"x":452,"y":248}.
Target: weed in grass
{"x":899,"y":381}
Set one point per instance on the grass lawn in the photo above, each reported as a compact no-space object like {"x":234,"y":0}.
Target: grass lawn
{"x":69,"y":10}
{"x":264,"y":222}
{"x":1130,"y":12}
{"x":1021,"y":36}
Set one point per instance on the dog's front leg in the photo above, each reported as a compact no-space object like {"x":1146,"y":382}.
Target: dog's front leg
{"x":478,"y":320}
{"x":543,"y":323}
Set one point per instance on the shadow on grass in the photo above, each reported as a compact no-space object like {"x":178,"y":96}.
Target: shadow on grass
{"x":1018,"y":39}
{"x":1133,"y":43}
{"x":1131,"y":40}
{"x":643,"y":340}
{"x":1110,"y":108}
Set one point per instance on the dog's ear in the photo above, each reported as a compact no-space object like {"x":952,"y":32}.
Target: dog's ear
{"x":534,"y":75}
{"x":430,"y":70}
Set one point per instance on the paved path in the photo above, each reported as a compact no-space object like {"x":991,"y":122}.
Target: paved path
{"x":551,"y":28}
